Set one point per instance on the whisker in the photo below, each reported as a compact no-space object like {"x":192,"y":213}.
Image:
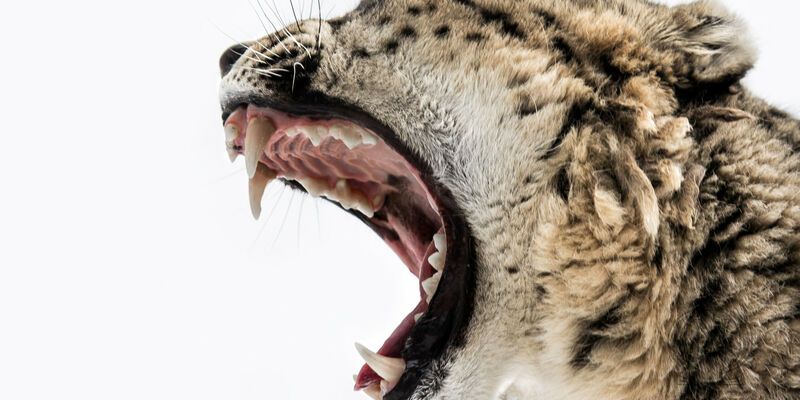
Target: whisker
{"x":300,"y":218}
{"x":285,"y":216}
{"x":244,"y":44}
{"x":295,"y":73}
{"x":266,"y":220}
{"x":227,"y":176}
{"x":319,"y":32}
{"x":296,"y":21}
{"x":280,"y":41}
{"x":266,"y":72}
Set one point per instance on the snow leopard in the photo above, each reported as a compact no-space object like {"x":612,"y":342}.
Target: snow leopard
{"x":595,"y":205}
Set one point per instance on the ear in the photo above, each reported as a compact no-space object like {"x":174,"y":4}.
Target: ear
{"x":715,"y":43}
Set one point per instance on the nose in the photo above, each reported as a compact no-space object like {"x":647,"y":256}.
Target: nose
{"x":229,"y":58}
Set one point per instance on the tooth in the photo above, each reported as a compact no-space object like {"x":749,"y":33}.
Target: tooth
{"x":256,"y":187}
{"x":259,"y":131}
{"x":430,"y":285}
{"x":389,"y":368}
{"x":292,"y":132}
{"x":232,"y":154}
{"x":368,"y":138}
{"x":341,"y":194}
{"x":349,"y":136}
{"x":417,"y":317}
{"x":314,"y":187}
{"x":374,"y":392}
{"x":440,"y":242}
{"x":436,"y":260}
{"x":315,"y":132}
{"x":377,"y":202}
{"x":231,"y":133}
{"x":361,"y":204}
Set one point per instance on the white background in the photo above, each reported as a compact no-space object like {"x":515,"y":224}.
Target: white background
{"x":129,"y":265}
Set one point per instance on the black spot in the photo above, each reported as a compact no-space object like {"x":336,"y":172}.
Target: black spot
{"x":564,"y":48}
{"x":507,"y":26}
{"x":562,"y":184}
{"x":526,"y":106}
{"x":360,"y":53}
{"x":414,"y":10}
{"x":474,"y":37}
{"x":336,"y":23}
{"x":518,"y":79}
{"x":591,"y":335}
{"x":512,"y":270}
{"x":431,"y":7}
{"x":384,"y":20}
{"x":391,"y":46}
{"x":442,"y":31}
{"x":407,"y":31}
{"x":573,"y":117}
{"x":529,"y":180}
{"x":549,"y":19}
{"x":467,"y":3}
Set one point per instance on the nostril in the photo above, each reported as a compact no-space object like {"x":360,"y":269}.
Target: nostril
{"x":229,"y":58}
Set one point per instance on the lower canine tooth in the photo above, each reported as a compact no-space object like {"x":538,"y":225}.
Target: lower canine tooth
{"x":389,"y":368}
{"x":259,"y":131}
{"x":374,"y":392}
{"x":232,"y":154}
{"x":430,"y":285}
{"x":256,"y":188}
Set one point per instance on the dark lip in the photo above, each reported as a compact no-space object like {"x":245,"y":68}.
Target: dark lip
{"x":444,"y":323}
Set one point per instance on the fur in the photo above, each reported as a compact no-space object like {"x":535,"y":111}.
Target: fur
{"x":635,"y":210}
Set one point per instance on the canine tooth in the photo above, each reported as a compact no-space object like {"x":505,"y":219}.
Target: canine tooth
{"x":231,"y":133}
{"x":374,"y":392}
{"x":389,"y":368}
{"x":232,"y":154}
{"x":436,"y":260}
{"x":259,"y":131}
{"x":314,"y":187}
{"x":256,"y":187}
{"x":292,"y":132}
{"x":430,"y":285}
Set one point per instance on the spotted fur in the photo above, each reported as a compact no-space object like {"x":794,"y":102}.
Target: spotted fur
{"x":634,"y":209}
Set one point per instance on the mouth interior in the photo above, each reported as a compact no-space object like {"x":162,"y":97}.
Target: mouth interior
{"x":354,"y":168}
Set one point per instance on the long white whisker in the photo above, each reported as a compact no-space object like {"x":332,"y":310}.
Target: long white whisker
{"x":289,"y":34}
{"x":280,"y":41}
{"x":295,"y":73}
{"x":272,"y":72}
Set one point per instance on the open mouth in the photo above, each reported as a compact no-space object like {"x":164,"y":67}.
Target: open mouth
{"x":357,"y":163}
